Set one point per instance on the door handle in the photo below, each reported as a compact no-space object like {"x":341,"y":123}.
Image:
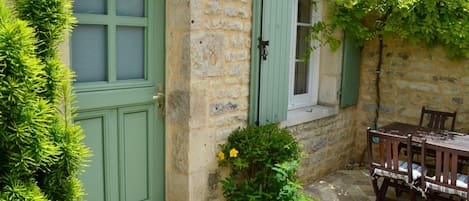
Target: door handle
{"x":159,"y":98}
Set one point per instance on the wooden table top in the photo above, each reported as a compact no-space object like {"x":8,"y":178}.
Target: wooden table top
{"x":449,"y":139}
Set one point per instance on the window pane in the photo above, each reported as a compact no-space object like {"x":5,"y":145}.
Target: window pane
{"x":301,"y":78}
{"x":131,"y":8}
{"x":301,"y":43}
{"x":90,"y":6}
{"x":130,"y":52}
{"x":304,"y":11}
{"x":89,"y":53}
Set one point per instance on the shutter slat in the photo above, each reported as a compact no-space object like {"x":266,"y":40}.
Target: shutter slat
{"x":350,"y":73}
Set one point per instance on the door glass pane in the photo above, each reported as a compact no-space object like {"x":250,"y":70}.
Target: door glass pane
{"x":301,"y":78}
{"x":131,"y":8}
{"x":90,"y":6}
{"x":130,"y":52}
{"x":304,"y":11}
{"x":89,"y":53}
{"x":301,"y":43}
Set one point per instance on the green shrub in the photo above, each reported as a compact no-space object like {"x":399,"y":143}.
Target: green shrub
{"x":263,"y":162}
{"x":52,"y":20}
{"x":26,"y":146}
{"x":41,"y":149}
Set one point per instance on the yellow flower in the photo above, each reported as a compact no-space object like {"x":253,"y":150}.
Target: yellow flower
{"x":221,"y":155}
{"x":233,"y":153}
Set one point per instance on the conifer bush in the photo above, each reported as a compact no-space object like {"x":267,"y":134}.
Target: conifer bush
{"x":41,"y":149}
{"x":25,"y":116}
{"x":52,"y":20}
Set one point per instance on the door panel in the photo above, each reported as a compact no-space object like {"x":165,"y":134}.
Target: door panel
{"x":100,"y":177}
{"x":94,"y":177}
{"x":114,"y":97}
{"x":135,"y":151}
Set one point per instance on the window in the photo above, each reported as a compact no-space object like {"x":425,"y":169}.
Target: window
{"x":109,"y":43}
{"x":286,"y":89}
{"x":303,"y":86}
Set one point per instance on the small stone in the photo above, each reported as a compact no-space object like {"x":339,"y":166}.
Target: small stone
{"x":213,"y":180}
{"x":404,"y":56}
{"x":457,"y":100}
{"x":216,"y":108}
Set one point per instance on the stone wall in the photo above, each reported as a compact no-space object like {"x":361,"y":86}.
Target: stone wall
{"x":207,"y":87}
{"x":412,"y":76}
{"x":328,"y":144}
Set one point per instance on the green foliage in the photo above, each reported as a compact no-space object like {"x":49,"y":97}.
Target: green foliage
{"x":16,"y":189}
{"x":285,"y":176}
{"x":433,"y":22}
{"x":41,"y":150}
{"x":26,"y":147}
{"x":263,"y":163}
{"x":52,"y":20}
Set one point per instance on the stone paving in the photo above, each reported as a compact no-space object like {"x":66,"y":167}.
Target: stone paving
{"x":348,"y":185}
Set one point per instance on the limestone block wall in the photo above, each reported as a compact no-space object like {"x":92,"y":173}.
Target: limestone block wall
{"x":207,"y":87}
{"x":327,"y":142}
{"x":412,"y":76}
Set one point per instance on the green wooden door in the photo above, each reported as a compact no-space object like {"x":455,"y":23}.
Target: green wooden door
{"x":117,"y":52}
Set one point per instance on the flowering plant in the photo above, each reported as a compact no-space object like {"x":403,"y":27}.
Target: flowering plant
{"x":263,"y":162}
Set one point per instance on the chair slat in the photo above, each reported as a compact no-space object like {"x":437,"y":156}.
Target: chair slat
{"x":438,"y":164}
{"x":431,"y":122}
{"x":454,"y":170}
{"x":442,"y":121}
{"x":382,"y":160}
{"x":388,"y":154}
{"x":395,"y":154}
{"x":445,"y":166}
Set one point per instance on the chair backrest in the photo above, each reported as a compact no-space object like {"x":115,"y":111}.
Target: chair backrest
{"x":437,"y":119}
{"x":446,"y":161}
{"x":387,"y":158}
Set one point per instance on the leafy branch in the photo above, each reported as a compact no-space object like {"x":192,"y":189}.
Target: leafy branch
{"x":432,"y":22}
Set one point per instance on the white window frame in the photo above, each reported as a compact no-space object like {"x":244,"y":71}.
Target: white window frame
{"x":311,"y":97}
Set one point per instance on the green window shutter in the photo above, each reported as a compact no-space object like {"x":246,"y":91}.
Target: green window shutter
{"x":350,"y":73}
{"x":270,"y":99}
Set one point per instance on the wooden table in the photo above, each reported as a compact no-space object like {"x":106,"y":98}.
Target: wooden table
{"x":449,"y":139}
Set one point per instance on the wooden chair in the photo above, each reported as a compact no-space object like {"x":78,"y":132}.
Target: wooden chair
{"x":446,"y":181}
{"x":386,"y":164}
{"x":437,"y":119}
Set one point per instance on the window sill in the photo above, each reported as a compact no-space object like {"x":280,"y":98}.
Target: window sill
{"x":307,"y":114}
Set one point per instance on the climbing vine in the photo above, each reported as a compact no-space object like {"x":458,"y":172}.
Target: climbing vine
{"x":432,"y":22}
